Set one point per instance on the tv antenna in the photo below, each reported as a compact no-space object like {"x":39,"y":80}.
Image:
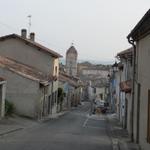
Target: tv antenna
{"x":29,"y":24}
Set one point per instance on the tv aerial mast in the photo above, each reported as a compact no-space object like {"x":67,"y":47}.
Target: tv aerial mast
{"x":29,"y":24}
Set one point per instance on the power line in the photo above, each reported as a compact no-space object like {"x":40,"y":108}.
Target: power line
{"x":15,"y":29}
{"x":48,"y":43}
{"x":8,"y":26}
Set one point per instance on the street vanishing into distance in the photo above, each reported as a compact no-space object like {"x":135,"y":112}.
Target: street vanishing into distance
{"x":75,"y":130}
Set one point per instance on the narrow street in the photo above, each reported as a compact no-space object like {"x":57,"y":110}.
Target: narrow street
{"x":76,"y":130}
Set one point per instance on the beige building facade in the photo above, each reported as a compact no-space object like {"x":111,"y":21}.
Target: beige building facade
{"x":140,"y":39}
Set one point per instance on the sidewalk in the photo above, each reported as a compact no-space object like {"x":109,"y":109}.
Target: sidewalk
{"x":53,"y":116}
{"x":17,"y":123}
{"x":120,"y":137}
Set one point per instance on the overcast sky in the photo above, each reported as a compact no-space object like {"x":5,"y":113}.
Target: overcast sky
{"x":98,"y":28}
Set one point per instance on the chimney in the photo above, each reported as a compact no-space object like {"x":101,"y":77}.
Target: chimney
{"x":32,"y":36}
{"x":24,"y":33}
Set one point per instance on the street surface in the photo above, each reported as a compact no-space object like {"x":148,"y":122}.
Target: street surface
{"x":75,"y":130}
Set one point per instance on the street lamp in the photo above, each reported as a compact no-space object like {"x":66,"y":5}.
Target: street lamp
{"x":115,"y":67}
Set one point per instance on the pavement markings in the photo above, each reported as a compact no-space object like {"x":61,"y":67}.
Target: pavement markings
{"x":85,"y":122}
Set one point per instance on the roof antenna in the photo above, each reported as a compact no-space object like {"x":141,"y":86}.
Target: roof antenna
{"x":29,"y":24}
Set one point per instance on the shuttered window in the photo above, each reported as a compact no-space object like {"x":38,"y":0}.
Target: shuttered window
{"x":148,"y":120}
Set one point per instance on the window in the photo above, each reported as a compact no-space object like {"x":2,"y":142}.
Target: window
{"x":148,"y":120}
{"x":55,"y":70}
{"x":101,"y":96}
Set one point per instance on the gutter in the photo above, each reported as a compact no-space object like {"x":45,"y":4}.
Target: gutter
{"x":132,"y":42}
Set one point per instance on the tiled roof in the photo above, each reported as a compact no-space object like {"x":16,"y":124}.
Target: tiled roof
{"x":64,"y":77}
{"x":32,"y":43}
{"x":142,"y":28}
{"x":126,"y":53}
{"x":24,"y":70}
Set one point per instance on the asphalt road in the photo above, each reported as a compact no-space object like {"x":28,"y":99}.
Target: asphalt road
{"x":73,"y":131}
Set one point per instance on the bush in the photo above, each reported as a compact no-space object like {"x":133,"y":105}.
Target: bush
{"x":9,"y":108}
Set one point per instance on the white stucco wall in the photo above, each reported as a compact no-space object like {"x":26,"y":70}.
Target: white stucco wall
{"x":22,"y":93}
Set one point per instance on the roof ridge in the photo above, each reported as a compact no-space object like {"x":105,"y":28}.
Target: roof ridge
{"x":24,"y":70}
{"x":36,"y":44}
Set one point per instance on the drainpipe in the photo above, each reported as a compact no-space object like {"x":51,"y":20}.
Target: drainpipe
{"x":132,"y":42}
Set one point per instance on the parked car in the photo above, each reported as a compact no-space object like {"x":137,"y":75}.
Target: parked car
{"x":101,"y":104}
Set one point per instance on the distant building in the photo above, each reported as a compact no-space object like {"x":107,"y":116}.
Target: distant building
{"x":123,"y":87}
{"x":71,"y":61}
{"x":96,"y":73}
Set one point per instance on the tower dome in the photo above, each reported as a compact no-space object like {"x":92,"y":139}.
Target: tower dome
{"x":73,"y":50}
{"x":71,"y":61}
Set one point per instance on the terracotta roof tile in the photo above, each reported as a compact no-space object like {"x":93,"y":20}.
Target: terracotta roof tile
{"x":67,"y":78}
{"x":24,"y":70}
{"x":126,"y":53}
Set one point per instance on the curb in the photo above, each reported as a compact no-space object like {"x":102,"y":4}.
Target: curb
{"x":115,"y":144}
{"x":11,"y":131}
{"x":53,"y":117}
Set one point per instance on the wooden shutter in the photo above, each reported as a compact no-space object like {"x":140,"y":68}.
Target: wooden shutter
{"x":148,"y":120}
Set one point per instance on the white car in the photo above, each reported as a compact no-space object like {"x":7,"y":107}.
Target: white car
{"x":99,"y":103}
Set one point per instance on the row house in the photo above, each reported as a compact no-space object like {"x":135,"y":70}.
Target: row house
{"x":139,"y":37}
{"x":124,"y":80}
{"x":114,"y":79}
{"x":31,"y":71}
{"x":131,"y":84}
{"x":72,"y":87}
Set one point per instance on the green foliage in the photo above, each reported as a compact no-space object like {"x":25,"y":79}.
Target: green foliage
{"x":9,"y":108}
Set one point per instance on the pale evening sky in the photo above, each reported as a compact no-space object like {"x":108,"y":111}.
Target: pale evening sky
{"x":98,"y":28}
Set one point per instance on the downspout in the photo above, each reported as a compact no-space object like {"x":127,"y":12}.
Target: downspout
{"x":120,"y":98}
{"x":132,"y":42}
